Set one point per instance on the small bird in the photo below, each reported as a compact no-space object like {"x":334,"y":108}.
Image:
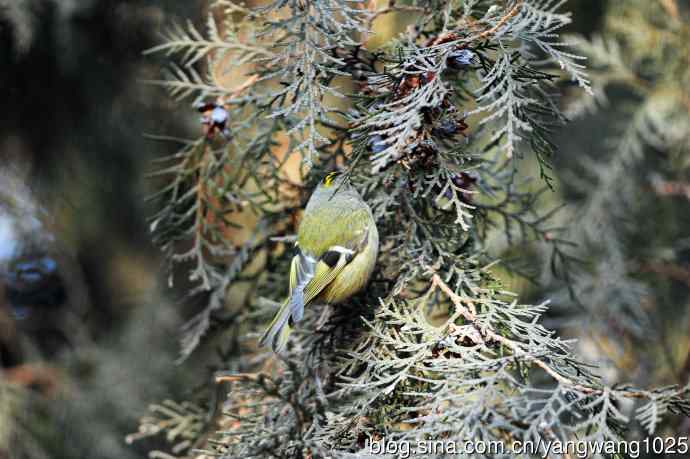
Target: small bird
{"x":337,"y":245}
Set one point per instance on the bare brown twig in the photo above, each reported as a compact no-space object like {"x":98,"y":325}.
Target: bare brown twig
{"x":671,"y":8}
{"x":391,"y":8}
{"x":470,"y":314}
{"x":513,"y":11}
{"x":671,"y":188}
{"x":234,"y":377}
{"x":249,"y":82}
{"x":670,"y":270}
{"x":518,"y":348}
{"x":395,"y":9}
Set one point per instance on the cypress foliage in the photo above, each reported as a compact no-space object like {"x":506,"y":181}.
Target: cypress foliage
{"x":431,"y":128}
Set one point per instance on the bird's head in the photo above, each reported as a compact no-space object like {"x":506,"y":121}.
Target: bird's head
{"x":332,"y":180}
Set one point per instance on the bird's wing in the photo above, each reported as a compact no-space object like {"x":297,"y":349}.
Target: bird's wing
{"x":328,"y":267}
{"x":308,"y":277}
{"x":294,"y":266}
{"x":301,"y":271}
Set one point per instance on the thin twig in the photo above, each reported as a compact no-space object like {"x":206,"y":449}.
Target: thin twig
{"x":391,"y":8}
{"x":513,"y":11}
{"x":671,"y":188}
{"x":516,"y":347}
{"x":201,"y":203}
{"x":249,"y":82}
{"x":395,"y":9}
{"x":234,"y":377}
{"x":671,"y":8}
{"x":669,"y":270}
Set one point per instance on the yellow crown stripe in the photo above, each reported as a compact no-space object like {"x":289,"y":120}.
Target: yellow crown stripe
{"x":328,"y":180}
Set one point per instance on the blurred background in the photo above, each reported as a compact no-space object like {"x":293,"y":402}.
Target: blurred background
{"x":88,"y":329}
{"x":86,"y":323}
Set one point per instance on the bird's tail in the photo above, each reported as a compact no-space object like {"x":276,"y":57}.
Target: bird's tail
{"x":277,"y":333}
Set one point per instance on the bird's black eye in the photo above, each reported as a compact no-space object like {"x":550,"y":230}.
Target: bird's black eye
{"x":328,"y":179}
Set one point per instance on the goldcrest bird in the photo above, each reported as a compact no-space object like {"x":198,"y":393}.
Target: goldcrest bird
{"x":337,"y":245}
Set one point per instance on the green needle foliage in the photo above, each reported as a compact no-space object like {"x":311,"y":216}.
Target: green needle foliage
{"x":430,"y":128}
